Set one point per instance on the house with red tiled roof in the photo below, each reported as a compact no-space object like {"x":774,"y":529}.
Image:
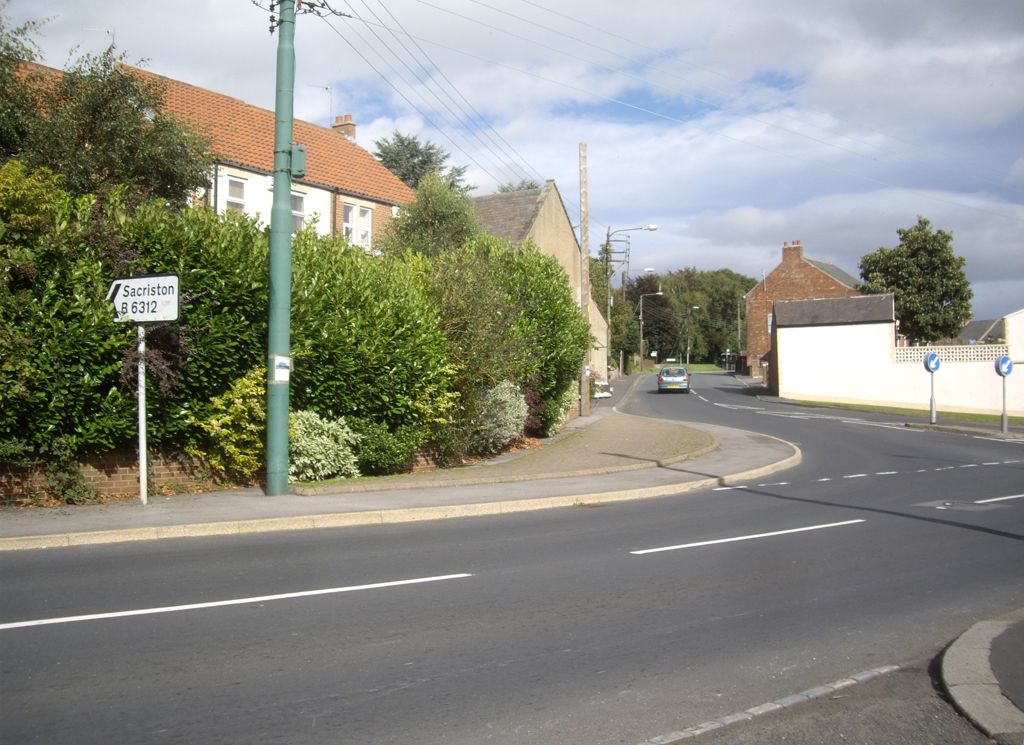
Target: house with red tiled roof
{"x":345,"y":189}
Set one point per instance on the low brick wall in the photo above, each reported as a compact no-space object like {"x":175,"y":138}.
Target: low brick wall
{"x":113,"y":474}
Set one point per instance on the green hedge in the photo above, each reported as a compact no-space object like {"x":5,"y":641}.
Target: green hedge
{"x":396,"y":344}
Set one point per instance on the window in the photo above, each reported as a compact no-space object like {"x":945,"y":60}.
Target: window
{"x":298,"y":212}
{"x":236,"y":196}
{"x":365,"y":226}
{"x":358,"y":225}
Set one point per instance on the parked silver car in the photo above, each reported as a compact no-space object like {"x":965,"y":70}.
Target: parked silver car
{"x":673,"y":379}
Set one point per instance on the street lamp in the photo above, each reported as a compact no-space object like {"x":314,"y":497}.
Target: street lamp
{"x":689,"y":331}
{"x":646,"y":294}
{"x":607,"y":256}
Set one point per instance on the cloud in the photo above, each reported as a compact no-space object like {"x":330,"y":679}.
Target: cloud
{"x":738,"y":126}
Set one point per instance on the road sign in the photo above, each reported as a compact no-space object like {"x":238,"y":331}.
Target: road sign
{"x":1004,"y":366}
{"x":932,"y":362}
{"x":147,"y":299}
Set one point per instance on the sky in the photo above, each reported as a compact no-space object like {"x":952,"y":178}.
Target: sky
{"x":735,"y":126}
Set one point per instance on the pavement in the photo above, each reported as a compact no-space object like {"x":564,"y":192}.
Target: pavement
{"x":605,"y":457}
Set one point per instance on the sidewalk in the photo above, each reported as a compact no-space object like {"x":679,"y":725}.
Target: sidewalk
{"x":983,"y":671}
{"x":605,"y":457}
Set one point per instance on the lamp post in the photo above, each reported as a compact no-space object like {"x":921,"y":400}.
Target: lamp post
{"x":689,"y":331}
{"x":607,"y":258}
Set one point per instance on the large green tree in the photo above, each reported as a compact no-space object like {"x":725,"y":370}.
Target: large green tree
{"x":95,"y":124}
{"x":933,"y":295}
{"x":16,"y":104}
{"x":671,"y":319}
{"x":412,"y":160}
{"x":440,"y":220}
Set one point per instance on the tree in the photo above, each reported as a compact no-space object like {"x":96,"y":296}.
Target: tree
{"x":439,"y":220}
{"x":523,"y":185}
{"x":16,"y":104}
{"x":96,"y":124}
{"x":933,"y":295}
{"x":100,"y":126}
{"x":412,"y":160}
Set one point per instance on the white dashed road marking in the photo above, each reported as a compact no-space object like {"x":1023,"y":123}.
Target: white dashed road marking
{"x":700,"y":544}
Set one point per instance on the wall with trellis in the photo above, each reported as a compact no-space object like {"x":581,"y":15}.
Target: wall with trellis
{"x":861,"y":364}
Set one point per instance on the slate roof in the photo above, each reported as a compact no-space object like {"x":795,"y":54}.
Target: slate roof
{"x":243,"y":135}
{"x":980,"y":332}
{"x":509,"y":215}
{"x":835,"y":311}
{"x":835,"y":272}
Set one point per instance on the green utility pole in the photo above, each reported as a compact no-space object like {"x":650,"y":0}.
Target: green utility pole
{"x":279,"y":361}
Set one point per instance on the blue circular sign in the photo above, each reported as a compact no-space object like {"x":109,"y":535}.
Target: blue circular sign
{"x":1004,"y":366}
{"x":932,"y":362}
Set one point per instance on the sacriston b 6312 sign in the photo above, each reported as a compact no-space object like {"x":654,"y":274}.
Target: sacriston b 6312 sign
{"x":147,"y":299}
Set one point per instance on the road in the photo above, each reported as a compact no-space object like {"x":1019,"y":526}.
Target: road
{"x":588,"y":625}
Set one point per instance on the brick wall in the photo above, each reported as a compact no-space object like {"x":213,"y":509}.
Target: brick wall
{"x":793,"y":279}
{"x":113,"y":474}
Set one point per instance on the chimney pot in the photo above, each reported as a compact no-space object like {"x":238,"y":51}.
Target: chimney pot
{"x":792,"y":250}
{"x":344,"y":125}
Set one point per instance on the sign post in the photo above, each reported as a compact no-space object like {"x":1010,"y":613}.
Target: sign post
{"x":148,"y":299}
{"x":931,"y":364}
{"x":1004,"y":366}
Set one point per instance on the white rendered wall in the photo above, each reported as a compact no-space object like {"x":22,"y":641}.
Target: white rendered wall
{"x":860,"y":364}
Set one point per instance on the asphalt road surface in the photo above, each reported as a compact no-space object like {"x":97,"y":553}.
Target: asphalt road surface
{"x":585,"y":625}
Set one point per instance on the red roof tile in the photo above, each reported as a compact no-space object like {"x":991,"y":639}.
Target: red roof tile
{"x":243,"y":134}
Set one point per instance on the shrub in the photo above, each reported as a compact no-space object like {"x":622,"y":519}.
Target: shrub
{"x":381,"y":451}
{"x":552,"y":321}
{"x":64,"y":480}
{"x":235,"y":429}
{"x":222,"y":265}
{"x":320,"y":448}
{"x":366,"y":337}
{"x":499,"y":419}
{"x":60,"y":351}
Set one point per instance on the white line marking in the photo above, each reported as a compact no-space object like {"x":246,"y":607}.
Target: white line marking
{"x":969,"y":465}
{"x":673,"y":738}
{"x":999,"y":439}
{"x":743,"y":538}
{"x":886,"y":473}
{"x":221,"y":603}
{"x":999,"y":499}
{"x":992,"y":463}
{"x":855,"y":476}
{"x":883,"y":425}
{"x":728,"y":488}
{"x":825,"y":479}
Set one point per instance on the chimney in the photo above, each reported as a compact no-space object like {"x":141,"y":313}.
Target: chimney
{"x":792,"y":251}
{"x":345,"y":126}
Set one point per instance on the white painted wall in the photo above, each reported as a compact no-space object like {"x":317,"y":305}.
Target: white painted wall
{"x":860,"y":364}
{"x":259,"y":197}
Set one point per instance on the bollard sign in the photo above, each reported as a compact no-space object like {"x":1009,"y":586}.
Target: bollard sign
{"x":1004,"y":366}
{"x":147,"y":299}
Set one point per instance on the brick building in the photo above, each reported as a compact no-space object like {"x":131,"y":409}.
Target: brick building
{"x":796,"y":278}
